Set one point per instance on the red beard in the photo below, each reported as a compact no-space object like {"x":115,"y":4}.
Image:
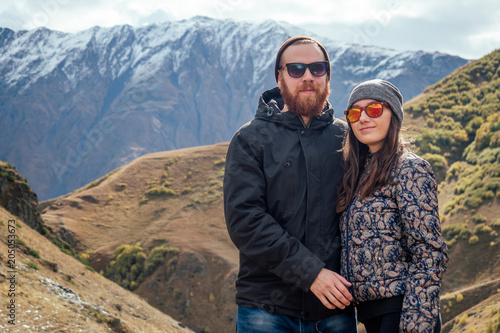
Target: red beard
{"x":305,"y":105}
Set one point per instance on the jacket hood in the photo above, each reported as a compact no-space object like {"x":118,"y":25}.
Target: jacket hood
{"x":270,"y":106}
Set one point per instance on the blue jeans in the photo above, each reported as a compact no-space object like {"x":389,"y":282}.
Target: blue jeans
{"x":252,"y":320}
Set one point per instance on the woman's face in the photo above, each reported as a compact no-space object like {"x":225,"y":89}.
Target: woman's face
{"x":371,"y":131}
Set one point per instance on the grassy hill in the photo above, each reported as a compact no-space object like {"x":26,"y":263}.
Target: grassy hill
{"x":156,"y":227}
{"x":455,"y":125}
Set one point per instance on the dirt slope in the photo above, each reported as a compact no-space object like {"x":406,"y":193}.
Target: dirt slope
{"x":63,"y":295}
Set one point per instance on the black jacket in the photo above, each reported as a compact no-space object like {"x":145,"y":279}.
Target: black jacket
{"x":280,"y":189}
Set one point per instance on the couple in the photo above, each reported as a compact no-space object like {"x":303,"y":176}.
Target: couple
{"x":329,"y":216}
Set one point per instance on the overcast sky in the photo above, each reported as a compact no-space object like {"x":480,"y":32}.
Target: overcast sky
{"x":467,"y":28}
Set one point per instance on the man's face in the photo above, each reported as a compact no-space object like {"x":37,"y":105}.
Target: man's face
{"x":306,"y":95}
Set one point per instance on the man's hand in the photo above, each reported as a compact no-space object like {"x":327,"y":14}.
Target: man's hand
{"x":331,"y":289}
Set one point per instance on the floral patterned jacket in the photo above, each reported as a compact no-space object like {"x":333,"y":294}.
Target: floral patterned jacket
{"x":392,"y":244}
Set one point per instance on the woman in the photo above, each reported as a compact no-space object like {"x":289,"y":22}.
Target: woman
{"x":393,"y":252}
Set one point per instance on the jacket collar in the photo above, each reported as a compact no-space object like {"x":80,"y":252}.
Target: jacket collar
{"x":271,"y":104}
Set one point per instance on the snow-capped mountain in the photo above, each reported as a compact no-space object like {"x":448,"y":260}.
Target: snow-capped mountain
{"x":76,"y":105}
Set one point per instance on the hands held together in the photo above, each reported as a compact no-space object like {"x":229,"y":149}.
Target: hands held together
{"x":331,"y":289}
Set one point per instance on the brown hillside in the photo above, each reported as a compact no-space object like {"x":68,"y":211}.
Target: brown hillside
{"x":57,"y":293}
{"x":482,"y":317}
{"x":469,"y":300}
{"x":170,"y":198}
{"x":471,"y":264}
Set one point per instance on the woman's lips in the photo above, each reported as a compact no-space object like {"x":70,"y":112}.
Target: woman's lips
{"x":365,"y":129}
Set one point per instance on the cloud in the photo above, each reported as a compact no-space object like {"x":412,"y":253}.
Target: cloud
{"x":469,"y":28}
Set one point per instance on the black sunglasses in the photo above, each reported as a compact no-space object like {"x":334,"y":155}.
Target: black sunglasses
{"x":297,"y":69}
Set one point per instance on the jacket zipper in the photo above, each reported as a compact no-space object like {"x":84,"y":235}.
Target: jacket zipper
{"x":348,"y":261}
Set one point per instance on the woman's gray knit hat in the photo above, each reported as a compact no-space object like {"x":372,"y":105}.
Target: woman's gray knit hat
{"x":382,"y":91}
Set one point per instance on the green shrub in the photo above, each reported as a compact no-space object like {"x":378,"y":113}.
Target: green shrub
{"x":451,"y":243}
{"x":120,"y":186}
{"x":479,"y":218}
{"x":34,"y":253}
{"x":130,"y":265}
{"x":489,"y":328}
{"x":10,"y":177}
{"x":120,"y":268}
{"x":454,"y":171}
{"x":476,"y":185}
{"x":134,"y":285}
{"x":473,"y":202}
{"x":493,"y":185}
{"x":156,"y":257}
{"x":457,"y":230}
{"x":488,"y":195}
{"x":473,"y":240}
{"x":83,"y":259}
{"x":439,"y":164}
{"x":482,"y":228}
{"x":33,"y":265}
{"x":99,"y":316}
{"x":186,"y":190}
{"x":160,"y":191}
{"x":463,"y":320}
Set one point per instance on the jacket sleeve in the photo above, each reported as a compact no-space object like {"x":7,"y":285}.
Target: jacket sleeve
{"x":428,"y":255}
{"x":256,"y":234}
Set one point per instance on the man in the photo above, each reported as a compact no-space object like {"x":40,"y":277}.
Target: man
{"x":280,"y":189}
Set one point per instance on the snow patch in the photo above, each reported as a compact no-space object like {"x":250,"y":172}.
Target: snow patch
{"x":68,"y":295}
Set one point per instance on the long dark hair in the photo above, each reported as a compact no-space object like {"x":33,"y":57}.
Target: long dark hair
{"x":355,"y":157}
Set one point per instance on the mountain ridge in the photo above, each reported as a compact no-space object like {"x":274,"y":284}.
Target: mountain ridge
{"x":91,"y":101}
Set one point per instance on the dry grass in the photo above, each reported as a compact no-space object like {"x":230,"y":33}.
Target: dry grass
{"x":71,"y":299}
